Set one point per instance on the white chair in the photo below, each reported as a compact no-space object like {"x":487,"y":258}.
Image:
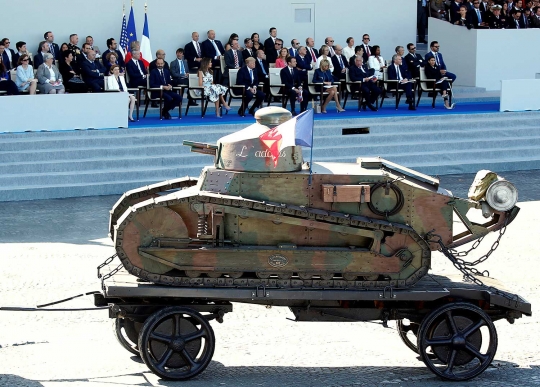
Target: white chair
{"x":196,"y":92}
{"x":276,"y":87}
{"x":236,"y":91}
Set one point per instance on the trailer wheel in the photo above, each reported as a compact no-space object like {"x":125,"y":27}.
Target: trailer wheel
{"x":462,"y":338}
{"x":127,"y":334}
{"x":176,"y":343}
{"x":408,"y":333}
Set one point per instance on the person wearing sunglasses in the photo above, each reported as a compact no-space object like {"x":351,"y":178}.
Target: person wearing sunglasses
{"x":414,"y":61}
{"x":8,"y":54}
{"x":439,"y":61}
{"x":329,"y":42}
{"x":25,"y":75}
{"x":367,"y":48}
{"x":272,"y":55}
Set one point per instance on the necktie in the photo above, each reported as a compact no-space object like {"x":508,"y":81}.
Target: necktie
{"x":137,"y":63}
{"x":367,"y":50}
{"x":517,"y":24}
{"x":313,"y":57}
{"x":251,"y":75}
{"x":162,"y":77}
{"x":332,"y":52}
{"x":235,"y":59}
{"x":182,"y":71}
{"x":437,"y":59}
{"x":479,"y":16}
{"x":262,"y":67}
{"x":119,"y":84}
{"x":398,"y":73}
{"x":340,"y":61}
{"x":198,"y":50}
{"x":218,"y":53}
{"x":292,"y":75}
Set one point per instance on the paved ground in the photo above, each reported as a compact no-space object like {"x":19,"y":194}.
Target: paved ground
{"x":50,"y":249}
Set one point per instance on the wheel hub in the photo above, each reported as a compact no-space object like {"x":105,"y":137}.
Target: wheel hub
{"x":178,"y":344}
{"x":459,"y":342}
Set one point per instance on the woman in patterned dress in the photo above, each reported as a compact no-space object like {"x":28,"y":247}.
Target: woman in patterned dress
{"x":212,"y":91}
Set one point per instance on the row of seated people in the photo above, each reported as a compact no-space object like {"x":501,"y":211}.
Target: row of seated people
{"x":480,"y":14}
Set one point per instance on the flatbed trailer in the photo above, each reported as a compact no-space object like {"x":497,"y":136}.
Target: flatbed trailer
{"x":447,"y":321}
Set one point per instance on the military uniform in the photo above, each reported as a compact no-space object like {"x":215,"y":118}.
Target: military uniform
{"x":496,"y":22}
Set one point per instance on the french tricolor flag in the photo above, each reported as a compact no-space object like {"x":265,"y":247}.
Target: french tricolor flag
{"x":146,"y":51}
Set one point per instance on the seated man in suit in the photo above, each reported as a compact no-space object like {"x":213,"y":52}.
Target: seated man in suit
{"x":262,"y":71}
{"x":38,"y":58}
{"x":535,"y":19}
{"x":303,"y":64}
{"x":93,"y":72}
{"x":360,"y":73}
{"x":55,"y":50}
{"x":160,"y":78}
{"x":397,"y":72}
{"x":136,"y":70}
{"x":113,"y":47}
{"x":180,"y":73}
{"x":160,"y":54}
{"x":476,"y":17}
{"x":247,"y":77}
{"x":515,"y":22}
{"x":414,"y":61}
{"x":193,"y":53}
{"x":290,"y":78}
{"x":340,"y":63}
{"x":90,"y":42}
{"x":248,"y":50}
{"x":233,"y":58}
{"x":434,"y":46}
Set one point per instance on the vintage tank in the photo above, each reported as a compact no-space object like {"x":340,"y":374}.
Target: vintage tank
{"x":246,"y":221}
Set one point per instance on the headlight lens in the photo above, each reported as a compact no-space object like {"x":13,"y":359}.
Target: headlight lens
{"x":502,"y":195}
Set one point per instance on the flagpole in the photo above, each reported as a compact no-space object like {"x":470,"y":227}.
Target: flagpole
{"x":311,"y":151}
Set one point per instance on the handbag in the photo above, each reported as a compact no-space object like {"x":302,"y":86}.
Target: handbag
{"x":75,"y":80}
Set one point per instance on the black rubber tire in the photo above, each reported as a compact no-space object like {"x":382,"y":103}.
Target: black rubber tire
{"x":126,"y":334}
{"x":184,"y":350}
{"x":402,"y":332}
{"x":461,"y":344}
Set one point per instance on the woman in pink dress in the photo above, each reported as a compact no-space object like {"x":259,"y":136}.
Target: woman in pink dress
{"x":281,"y":61}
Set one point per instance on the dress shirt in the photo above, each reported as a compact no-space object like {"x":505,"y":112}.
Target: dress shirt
{"x":197,"y":48}
{"x":137,"y":64}
{"x":366,"y":50}
{"x":8,"y":52}
{"x":262,"y":66}
{"x":181,"y":65}
{"x":312,"y":53}
{"x":399,"y":77}
{"x":436,"y":56}
{"x":479,"y":15}
{"x":216,"y":47}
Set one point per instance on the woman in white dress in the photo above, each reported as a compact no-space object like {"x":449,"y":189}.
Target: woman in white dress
{"x":212,"y":91}
{"x":324,"y":53}
{"x":116,"y":82}
{"x":376,"y":62}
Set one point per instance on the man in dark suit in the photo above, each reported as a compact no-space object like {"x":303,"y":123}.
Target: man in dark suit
{"x":515,"y":22}
{"x":271,"y":40}
{"x":212,"y":48}
{"x":414,"y":61}
{"x":160,"y":54}
{"x":233,"y":59}
{"x":360,"y":73}
{"x":247,"y":77}
{"x":273,"y":54}
{"x":290,"y":78}
{"x":53,"y":47}
{"x":303,"y":64}
{"x":535,"y":19}
{"x":179,"y":70}
{"x":113,"y":47}
{"x":295,"y":45}
{"x":434,"y":46}
{"x":329,"y":41}
{"x":396,"y":71}
{"x":311,"y":51}
{"x":92,"y":72}
{"x":4,"y":57}
{"x":136,"y":70}
{"x":454,"y":11}
{"x":21,"y":50}
{"x":476,"y":17}
{"x":367,"y":47}
{"x":422,"y":19}
{"x":160,"y":78}
{"x":261,"y":65}
{"x":38,"y":58}
{"x":248,"y":50}
{"x":193,"y":53}
{"x":340,"y":63}
{"x":484,"y":6}
{"x":9,"y":53}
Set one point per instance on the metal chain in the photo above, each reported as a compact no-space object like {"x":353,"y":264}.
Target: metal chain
{"x":105,"y":263}
{"x":470,"y":273}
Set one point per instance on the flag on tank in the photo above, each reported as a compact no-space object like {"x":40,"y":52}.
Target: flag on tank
{"x":146,"y":51}
{"x":297,"y":131}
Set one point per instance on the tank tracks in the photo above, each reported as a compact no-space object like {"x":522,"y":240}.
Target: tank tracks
{"x":283,"y":210}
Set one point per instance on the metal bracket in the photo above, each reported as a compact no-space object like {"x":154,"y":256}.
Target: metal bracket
{"x":260,"y":291}
{"x":390,"y":291}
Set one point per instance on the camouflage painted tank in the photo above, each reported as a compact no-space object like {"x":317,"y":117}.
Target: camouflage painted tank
{"x":246,"y":221}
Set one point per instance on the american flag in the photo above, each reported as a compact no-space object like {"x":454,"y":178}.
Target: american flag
{"x":124,"y":37}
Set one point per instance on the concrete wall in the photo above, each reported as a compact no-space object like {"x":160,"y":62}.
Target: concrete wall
{"x":481,"y":57}
{"x":171,"y":21}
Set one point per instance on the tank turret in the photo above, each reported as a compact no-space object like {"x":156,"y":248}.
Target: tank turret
{"x":247,"y":221}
